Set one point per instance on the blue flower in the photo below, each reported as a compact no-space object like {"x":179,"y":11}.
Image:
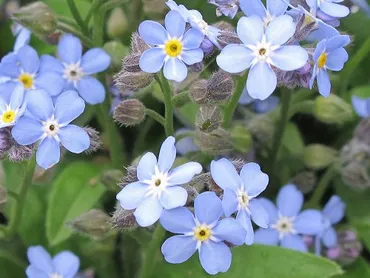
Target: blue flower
{"x":185,"y":145}
{"x":329,"y":7}
{"x":76,"y":69}
{"x":262,"y":49}
{"x":240,"y":193}
{"x":274,"y":9}
{"x":22,"y":34}
{"x":259,"y":106}
{"x":64,"y":265}
{"x":228,"y":8}
{"x":118,"y":96}
{"x":12,"y":110}
{"x":171,"y":47}
{"x":158,"y":187}
{"x":27,"y":69}
{"x":361,"y":106}
{"x":333,"y":213}
{"x":50,"y":125}
{"x":205,"y":232}
{"x":287,"y":222}
{"x":329,"y":54}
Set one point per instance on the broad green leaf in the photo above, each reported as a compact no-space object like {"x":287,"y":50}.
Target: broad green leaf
{"x":75,"y":191}
{"x":257,"y":261}
{"x":363,"y":91}
{"x":292,"y":139}
{"x":359,"y":269}
{"x":187,"y":113}
{"x":61,"y":7}
{"x":10,"y":265}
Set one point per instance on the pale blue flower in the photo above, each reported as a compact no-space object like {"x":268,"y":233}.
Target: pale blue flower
{"x":205,"y":232}
{"x":287,"y":223}
{"x":261,"y":49}
{"x":158,"y":187}
{"x":185,"y":145}
{"x":274,"y":9}
{"x":11,"y":110}
{"x":50,"y":125}
{"x":173,"y":48}
{"x":22,"y":34}
{"x":228,"y":8}
{"x":240,"y":193}
{"x":361,"y":106}
{"x":118,"y":96}
{"x":259,"y":106}
{"x":329,"y":54}
{"x":77,"y":69}
{"x":64,"y":265}
{"x":329,"y":7}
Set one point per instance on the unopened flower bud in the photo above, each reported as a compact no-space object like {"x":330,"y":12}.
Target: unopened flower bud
{"x":116,"y":51}
{"x":308,"y":241}
{"x":208,"y":118}
{"x":131,"y":63}
{"x":123,"y":219}
{"x":318,"y":156}
{"x":227,"y":37}
{"x":111,"y":178}
{"x":117,"y":23}
{"x":192,"y":194}
{"x":220,"y":86}
{"x":130,"y":177}
{"x":133,"y":81}
{"x":3,"y":198}
{"x":198,"y":91}
{"x":362,"y":132}
{"x":216,"y":142}
{"x":332,"y":110}
{"x":19,"y":153}
{"x":197,"y":67}
{"x":94,"y":223}
{"x":207,"y":47}
{"x":153,"y":6}
{"x":129,"y":112}
{"x":262,"y":127}
{"x":95,"y":141}
{"x":6,"y":141}
{"x":305,"y":181}
{"x":241,"y":138}
{"x":38,"y":17}
{"x":303,"y":28}
{"x":224,"y":25}
{"x":137,"y":44}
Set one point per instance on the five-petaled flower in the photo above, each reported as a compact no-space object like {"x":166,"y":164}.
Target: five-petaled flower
{"x":50,"y":125}
{"x":361,"y":106}
{"x":330,"y":8}
{"x":240,"y":193}
{"x":11,"y":111}
{"x":158,"y":187}
{"x":205,"y":232}
{"x":287,"y":223}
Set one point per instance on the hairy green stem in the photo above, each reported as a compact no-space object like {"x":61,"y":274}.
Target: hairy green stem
{"x":63,"y":26}
{"x":154,"y":115}
{"x":181,"y":98}
{"x":76,"y":15}
{"x":167,"y":95}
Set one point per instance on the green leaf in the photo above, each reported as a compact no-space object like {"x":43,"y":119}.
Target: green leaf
{"x":61,"y":7}
{"x":292,"y":139}
{"x":358,"y":269}
{"x":362,"y":91}
{"x":188,"y":113}
{"x":258,"y":261}
{"x":75,"y":191}
{"x":10,"y":265}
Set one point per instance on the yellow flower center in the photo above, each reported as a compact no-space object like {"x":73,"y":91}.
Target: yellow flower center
{"x":202,"y":233}
{"x":27,"y":80}
{"x":9,"y":117}
{"x":321,"y":62}
{"x":173,"y":48}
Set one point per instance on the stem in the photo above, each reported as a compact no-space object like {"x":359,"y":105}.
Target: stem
{"x":70,"y":29}
{"x":180,"y":99}
{"x":233,"y":103}
{"x":154,"y":115}
{"x":98,"y":34}
{"x":150,"y":260}
{"x":278,"y":136}
{"x":166,"y":90}
{"x":305,"y":107}
{"x":76,"y":15}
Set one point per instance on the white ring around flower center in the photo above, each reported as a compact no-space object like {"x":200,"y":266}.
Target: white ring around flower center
{"x":73,"y":72}
{"x":284,"y":226}
{"x":158,"y":183}
{"x":51,"y":128}
{"x":55,"y":275}
{"x":243,"y":198}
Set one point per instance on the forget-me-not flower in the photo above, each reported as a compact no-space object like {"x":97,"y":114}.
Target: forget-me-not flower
{"x":76,"y":69}
{"x":262,"y":49}
{"x":329,"y":7}
{"x":205,"y":232}
{"x":172,"y":49}
{"x":12,"y":110}
{"x":361,"y":106}
{"x":329,"y":54}
{"x":185,"y":145}
{"x":240,"y":193}
{"x":259,"y":106}
{"x":51,"y":125}
{"x":287,"y":223}
{"x":22,"y":34}
{"x":64,"y":265}
{"x":157,"y":186}
{"x":333,"y":213}
{"x":118,"y":97}
{"x":228,"y":8}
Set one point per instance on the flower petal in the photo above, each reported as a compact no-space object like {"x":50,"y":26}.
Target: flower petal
{"x":334,"y":209}
{"x":266,"y":237}
{"x":178,"y":249}
{"x":192,"y":39}
{"x":280,"y":30}
{"x":361,"y":106}
{"x":40,"y":258}
{"x":333,"y":9}
{"x":337,"y":42}
{"x":70,"y":49}
{"x":250,"y":29}
{"x":253,"y":8}
{"x":276,"y":7}
{"x":68,"y":107}
{"x":27,"y":131}
{"x":294,"y":242}
{"x":23,"y":38}
{"x":91,"y":90}
{"x":215,"y":257}
{"x":178,"y":220}
{"x":17,"y":97}
{"x":208,"y":208}
{"x":190,"y":57}
{"x":152,"y":60}
{"x":95,"y":60}
{"x":131,"y":196}
{"x":270,"y":209}
{"x":289,"y":201}
{"x":184,"y":173}
{"x":173,"y":197}
{"x":152,"y":32}
{"x":323,"y":83}
{"x":34,"y":272}
{"x":40,"y":104}
{"x":309,"y":222}
{"x":229,"y":202}
{"x":267,"y":105}
{"x":175,"y":24}
{"x":261,"y":81}
{"x":320,"y":48}
{"x":230,"y":230}
{"x":246,"y":222}
{"x":254,"y":180}
{"x":146,"y":166}
{"x":29,"y":59}
{"x":167,"y":154}
{"x":289,"y":57}
{"x":235,"y":58}
{"x":51,"y":82}
{"x":66,"y":263}
{"x":50,"y":63}
{"x":148,"y":212}
{"x":329,"y":238}
{"x":224,"y":174}
{"x":336,"y":59}
{"x":74,"y":138}
{"x":258,"y":213}
{"x":48,"y":153}
{"x":175,"y":70}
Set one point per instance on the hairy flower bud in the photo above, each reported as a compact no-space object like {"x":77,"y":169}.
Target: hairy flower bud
{"x":94,"y":223}
{"x":6,"y":141}
{"x":216,"y":142}
{"x":241,"y":138}
{"x":111,"y":178}
{"x":3,"y":197}
{"x":137,"y":44}
{"x":19,"y":153}
{"x":123,"y":219}
{"x":129,"y":112}
{"x":305,"y":181}
{"x":95,"y":141}
{"x":318,"y":156}
{"x":117,"y":23}
{"x":303,"y":28}
{"x":207,"y":47}
{"x":362,"y":132}
{"x":220,"y":86}
{"x":228,"y":37}
{"x":192,"y":194}
{"x":131,"y":176}
{"x":332,"y":110}
{"x":131,"y":63}
{"x":224,"y":25}
{"x":208,"y":118}
{"x":198,"y":91}
{"x":116,"y":51}
{"x":133,"y":81}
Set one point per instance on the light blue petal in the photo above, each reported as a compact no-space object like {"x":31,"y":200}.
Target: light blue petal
{"x":148,"y":212}
{"x":334,"y":209}
{"x":289,"y":201}
{"x":29,"y":59}
{"x":185,"y":145}
{"x":277,"y":7}
{"x":280,"y":30}
{"x":68,"y":107}
{"x":246,"y":222}
{"x":146,"y":166}
{"x":229,"y":230}
{"x":294,"y":242}
{"x":17,"y":97}
{"x":329,"y":238}
{"x":309,"y":222}
{"x":229,"y":202}
{"x":253,"y":7}
{"x":336,"y":59}
{"x":74,"y":138}
{"x":250,"y":30}
{"x":178,"y":221}
{"x":51,"y":82}
{"x":235,"y":58}
{"x":48,"y":153}
{"x":258,"y":213}
{"x":184,"y":173}
{"x":224,"y":174}
{"x":23,"y":38}
{"x":266,"y":237}
{"x":314,"y":75}
{"x":261,"y":81}
{"x":215,"y":257}
{"x":208,"y":208}
{"x":152,"y":60}
{"x":245,"y":98}
{"x":192,"y":39}
{"x":6,"y":90}
{"x":178,"y":249}
{"x":175,"y":24}
{"x":91,"y":90}
{"x":254,"y":180}
{"x":50,"y":63}
{"x":173,"y":197}
{"x":337,"y":42}
{"x":40,"y":258}
{"x":10,"y":69}
{"x":153,"y":33}
{"x":361,"y":106}
{"x":167,"y":154}
{"x":317,"y":244}
{"x":267,"y":105}
{"x":66,"y":263}
{"x":3,"y":104}
{"x":95,"y":60}
{"x":190,"y":57}
{"x":34,"y":272}
{"x":175,"y":70}
{"x":289,"y":57}
{"x":334,"y":9}
{"x":27,"y":131}
{"x":70,"y":49}
{"x":324,"y":31}
{"x":323,"y":82}
{"x":40,"y":104}
{"x":132,"y":195}
{"x":270,"y":209}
